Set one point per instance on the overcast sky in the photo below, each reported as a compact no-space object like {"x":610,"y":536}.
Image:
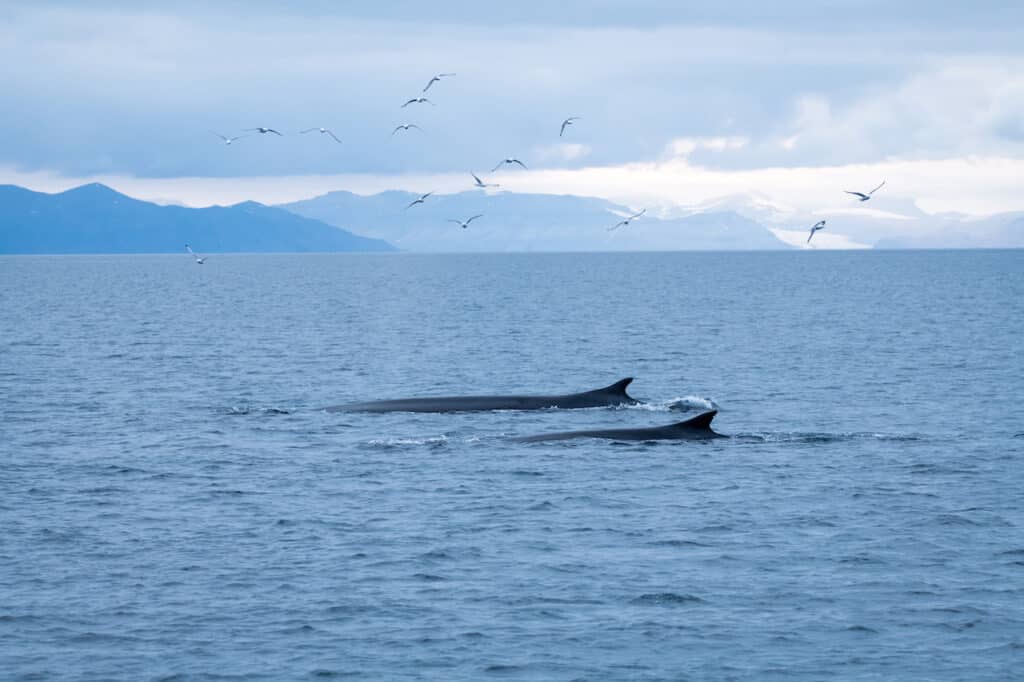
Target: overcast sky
{"x":794,"y":101}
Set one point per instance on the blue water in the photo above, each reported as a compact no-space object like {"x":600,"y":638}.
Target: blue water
{"x":177,"y":505}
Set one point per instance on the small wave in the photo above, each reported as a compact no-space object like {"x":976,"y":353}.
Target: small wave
{"x":688,"y":403}
{"x":812,"y":437}
{"x":241,"y":410}
{"x":392,"y":443}
{"x":677,"y":543}
{"x":666,"y":599}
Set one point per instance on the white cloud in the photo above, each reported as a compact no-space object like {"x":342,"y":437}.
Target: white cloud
{"x":684,"y":146}
{"x":952,"y":107}
{"x":561,"y":152}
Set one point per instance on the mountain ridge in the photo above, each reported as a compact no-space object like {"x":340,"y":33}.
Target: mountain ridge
{"x":94,"y":218}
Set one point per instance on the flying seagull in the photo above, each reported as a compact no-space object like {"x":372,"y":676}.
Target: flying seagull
{"x":626,"y":221}
{"x":264,"y":131}
{"x":229,"y":140}
{"x":567,"y":122}
{"x":865,"y":197}
{"x":406,"y":126}
{"x":419,"y":201}
{"x":199,"y":259}
{"x":481,"y":184}
{"x":820,"y":225}
{"x":509,"y":162}
{"x":436,"y":79}
{"x":323,"y":131}
{"x":418,"y":100}
{"x":465,"y":224}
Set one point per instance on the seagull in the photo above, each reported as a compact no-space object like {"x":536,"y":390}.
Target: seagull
{"x":465,"y":224}
{"x":323,"y":131}
{"x":436,"y":79}
{"x":418,"y":100}
{"x":865,"y":197}
{"x":199,"y":259}
{"x":229,"y":140}
{"x":419,"y":201}
{"x":567,"y":122}
{"x":481,"y":184}
{"x":509,"y":162}
{"x":264,"y":131}
{"x":406,"y":126}
{"x":820,"y":225}
{"x":626,"y":221}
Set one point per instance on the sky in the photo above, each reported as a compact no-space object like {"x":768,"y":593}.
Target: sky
{"x":787,"y":102}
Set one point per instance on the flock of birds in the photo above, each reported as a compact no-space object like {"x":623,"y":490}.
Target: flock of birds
{"x":477,"y":182}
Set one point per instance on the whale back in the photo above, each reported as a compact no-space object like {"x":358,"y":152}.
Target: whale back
{"x":702,"y":422}
{"x":615,"y":394}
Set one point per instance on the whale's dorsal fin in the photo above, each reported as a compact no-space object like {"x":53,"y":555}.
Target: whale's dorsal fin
{"x":619,"y":387}
{"x":702,"y":421}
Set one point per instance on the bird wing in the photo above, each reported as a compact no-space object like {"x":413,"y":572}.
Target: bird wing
{"x":334,"y":136}
{"x":564,"y":123}
{"x":520,"y":163}
{"x":637,"y":215}
{"x":189,"y":249}
{"x":452,"y":220}
{"x":307,"y":130}
{"x":478,"y":180}
{"x":397,"y":128}
{"x":271,"y":130}
{"x":219,"y":135}
{"x":497,"y":167}
{"x":427,"y":195}
{"x":431,"y":82}
{"x":876,"y":189}
{"x":481,"y":215}
{"x":413,"y":203}
{"x":856,"y":194}
{"x":618,"y":225}
{"x":413,"y":125}
{"x":407,"y":103}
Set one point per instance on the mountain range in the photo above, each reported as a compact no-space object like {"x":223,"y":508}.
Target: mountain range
{"x":96,"y":219}
{"x":529,"y":222}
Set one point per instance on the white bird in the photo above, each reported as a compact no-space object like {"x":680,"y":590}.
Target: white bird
{"x":229,"y":140}
{"x":418,"y":100}
{"x":465,"y":224}
{"x":199,"y":259}
{"x":567,"y":122}
{"x":264,"y":131}
{"x":436,"y":79}
{"x":323,"y":131}
{"x":406,"y":126}
{"x":626,"y":221}
{"x":509,"y":162}
{"x":481,"y":184}
{"x":820,"y":225}
{"x":419,"y":201}
{"x":864,"y":197}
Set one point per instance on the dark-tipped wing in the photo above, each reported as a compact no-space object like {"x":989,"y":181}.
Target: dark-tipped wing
{"x":856,"y":194}
{"x":876,"y":189}
{"x":520,"y":163}
{"x":334,"y":136}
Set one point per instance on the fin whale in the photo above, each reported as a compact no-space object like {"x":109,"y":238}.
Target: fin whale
{"x":697,"y":428}
{"x":601,"y":397}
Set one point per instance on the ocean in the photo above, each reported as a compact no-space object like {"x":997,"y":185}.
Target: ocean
{"x":176,"y":504}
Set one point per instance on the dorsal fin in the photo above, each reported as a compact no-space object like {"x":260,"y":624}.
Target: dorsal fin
{"x":619,"y":387}
{"x":701,"y":421}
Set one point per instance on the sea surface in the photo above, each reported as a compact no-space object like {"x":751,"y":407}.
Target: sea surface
{"x":176,"y":504}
